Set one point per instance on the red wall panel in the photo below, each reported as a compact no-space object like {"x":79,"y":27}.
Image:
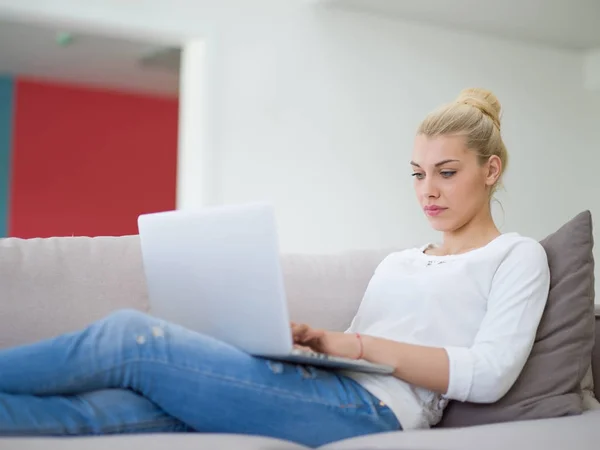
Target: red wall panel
{"x":87,"y":162}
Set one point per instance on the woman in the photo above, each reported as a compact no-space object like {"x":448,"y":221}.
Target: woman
{"x":457,"y":321}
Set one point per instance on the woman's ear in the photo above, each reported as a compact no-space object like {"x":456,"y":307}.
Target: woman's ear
{"x":494,"y":170}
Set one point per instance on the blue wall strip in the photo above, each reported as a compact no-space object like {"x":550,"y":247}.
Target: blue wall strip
{"x":6,"y":131}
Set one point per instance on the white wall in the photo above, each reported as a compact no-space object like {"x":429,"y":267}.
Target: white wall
{"x":592,"y":83}
{"x":320,"y":111}
{"x":316,"y":110}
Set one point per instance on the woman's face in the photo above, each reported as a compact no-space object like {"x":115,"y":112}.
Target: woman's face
{"x":451,"y":185}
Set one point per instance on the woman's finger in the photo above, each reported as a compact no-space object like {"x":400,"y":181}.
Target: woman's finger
{"x":312,"y":334}
{"x":299,"y":331}
{"x":303,"y":347}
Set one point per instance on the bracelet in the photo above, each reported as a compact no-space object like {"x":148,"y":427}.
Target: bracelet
{"x":360,"y":343}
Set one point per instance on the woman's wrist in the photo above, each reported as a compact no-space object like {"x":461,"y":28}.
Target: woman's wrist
{"x":346,"y":345}
{"x":361,"y":348}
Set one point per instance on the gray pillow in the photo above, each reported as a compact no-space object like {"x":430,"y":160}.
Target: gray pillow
{"x":549,"y":385}
{"x":596,"y":357}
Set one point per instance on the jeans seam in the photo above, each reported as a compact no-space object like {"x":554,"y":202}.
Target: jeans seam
{"x":256,"y":386}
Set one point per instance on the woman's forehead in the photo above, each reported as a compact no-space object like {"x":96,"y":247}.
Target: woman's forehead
{"x":431,"y":150}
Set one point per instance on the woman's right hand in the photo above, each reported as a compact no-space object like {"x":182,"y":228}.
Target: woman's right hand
{"x":332,"y":343}
{"x":311,"y":339}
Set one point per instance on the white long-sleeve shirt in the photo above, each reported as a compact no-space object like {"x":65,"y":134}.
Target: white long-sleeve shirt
{"x":483,"y":307}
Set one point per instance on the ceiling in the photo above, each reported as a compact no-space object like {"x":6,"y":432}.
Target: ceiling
{"x":33,"y":50}
{"x":569,"y":24}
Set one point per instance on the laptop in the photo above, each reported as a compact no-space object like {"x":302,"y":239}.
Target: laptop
{"x":216,"y":271}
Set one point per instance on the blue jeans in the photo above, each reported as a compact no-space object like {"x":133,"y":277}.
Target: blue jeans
{"x":131,"y":372}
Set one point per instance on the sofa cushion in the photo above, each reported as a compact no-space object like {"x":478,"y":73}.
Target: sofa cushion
{"x":56,"y":285}
{"x":550,"y":383}
{"x":179,"y":441}
{"x":579,"y":432}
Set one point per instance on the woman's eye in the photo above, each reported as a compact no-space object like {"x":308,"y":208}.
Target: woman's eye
{"x":418,"y":176}
{"x":448,"y":173}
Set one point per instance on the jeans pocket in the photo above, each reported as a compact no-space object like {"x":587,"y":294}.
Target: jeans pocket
{"x":384,"y":413}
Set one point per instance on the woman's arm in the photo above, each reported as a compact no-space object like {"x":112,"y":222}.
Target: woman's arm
{"x":422,"y":366}
{"x":427,"y":367}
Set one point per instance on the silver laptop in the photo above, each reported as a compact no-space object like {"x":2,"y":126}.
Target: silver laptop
{"x":217,"y":271}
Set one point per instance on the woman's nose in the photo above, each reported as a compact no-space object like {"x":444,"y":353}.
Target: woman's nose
{"x":430,"y":189}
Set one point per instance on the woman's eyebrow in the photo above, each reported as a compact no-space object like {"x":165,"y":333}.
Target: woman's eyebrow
{"x":441,"y":163}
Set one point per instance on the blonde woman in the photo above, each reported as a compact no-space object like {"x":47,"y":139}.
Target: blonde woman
{"x":457,"y":321}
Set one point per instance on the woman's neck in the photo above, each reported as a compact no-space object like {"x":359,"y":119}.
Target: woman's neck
{"x":476,"y":233}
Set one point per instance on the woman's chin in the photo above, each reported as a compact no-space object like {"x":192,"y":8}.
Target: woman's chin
{"x":442,"y":225}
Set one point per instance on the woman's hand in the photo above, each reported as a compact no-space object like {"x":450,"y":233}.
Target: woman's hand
{"x":422,"y":366}
{"x":322,"y":341}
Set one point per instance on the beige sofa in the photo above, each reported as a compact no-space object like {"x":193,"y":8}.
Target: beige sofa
{"x":51,"y":286}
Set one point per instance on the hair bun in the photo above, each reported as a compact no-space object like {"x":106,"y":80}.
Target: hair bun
{"x":483,"y":100}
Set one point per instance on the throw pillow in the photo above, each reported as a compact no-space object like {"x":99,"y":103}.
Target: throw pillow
{"x":550,"y":383}
{"x":596,"y":356}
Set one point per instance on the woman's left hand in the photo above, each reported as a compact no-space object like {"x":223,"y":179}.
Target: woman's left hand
{"x":330,"y":342}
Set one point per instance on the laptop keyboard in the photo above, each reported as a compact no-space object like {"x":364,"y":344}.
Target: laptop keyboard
{"x":310,"y":354}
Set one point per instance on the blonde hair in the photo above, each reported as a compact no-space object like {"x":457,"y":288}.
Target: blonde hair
{"x":475,"y":114}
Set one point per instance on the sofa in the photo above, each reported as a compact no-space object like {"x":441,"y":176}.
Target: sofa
{"x":56,"y":285}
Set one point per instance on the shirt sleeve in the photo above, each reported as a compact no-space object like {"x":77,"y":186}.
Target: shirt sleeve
{"x":484,"y":372}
